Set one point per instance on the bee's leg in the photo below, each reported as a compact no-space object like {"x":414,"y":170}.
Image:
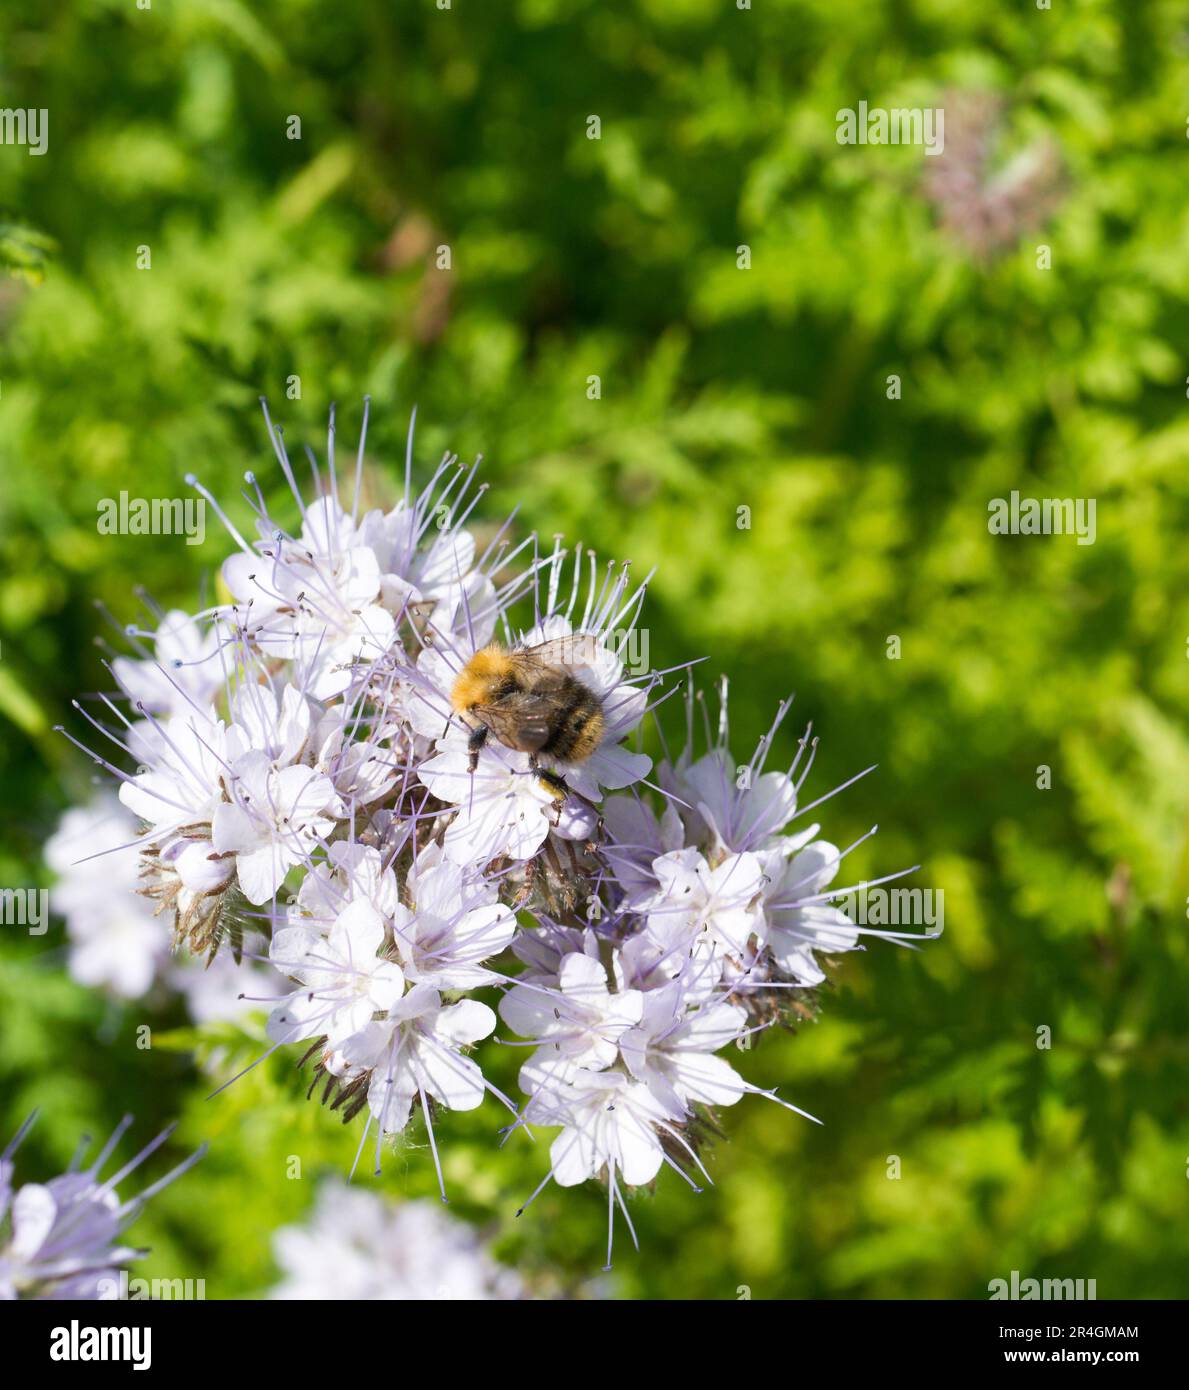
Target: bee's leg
{"x":552,"y":780}
{"x":474,"y":744}
{"x":563,"y":789}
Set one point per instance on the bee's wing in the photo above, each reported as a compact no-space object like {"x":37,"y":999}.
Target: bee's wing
{"x":578,"y":649}
{"x":523,"y":721}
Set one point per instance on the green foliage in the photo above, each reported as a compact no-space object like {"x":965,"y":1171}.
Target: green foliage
{"x":24,"y":251}
{"x":721,"y":388}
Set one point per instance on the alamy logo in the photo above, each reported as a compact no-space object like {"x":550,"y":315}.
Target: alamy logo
{"x":896,"y":907}
{"x":912,"y":125}
{"x":27,"y":126}
{"x":25,"y":907}
{"x":157,"y":516}
{"x":1043,"y":516}
{"x":1055,"y":1290}
{"x":75,"y":1343}
{"x":125,"y":1288}
{"x":631,"y":646}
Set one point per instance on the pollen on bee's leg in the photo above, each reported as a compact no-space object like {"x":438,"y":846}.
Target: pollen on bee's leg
{"x":553,"y":784}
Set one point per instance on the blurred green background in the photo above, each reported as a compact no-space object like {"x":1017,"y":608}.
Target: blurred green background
{"x":722,"y":387}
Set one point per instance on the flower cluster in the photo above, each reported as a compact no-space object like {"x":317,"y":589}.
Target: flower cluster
{"x":356,"y":1247}
{"x":115,"y":939}
{"x":61,"y":1239}
{"x":306,"y":767}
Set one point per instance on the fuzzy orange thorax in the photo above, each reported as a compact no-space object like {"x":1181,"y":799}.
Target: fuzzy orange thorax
{"x":473,"y":684}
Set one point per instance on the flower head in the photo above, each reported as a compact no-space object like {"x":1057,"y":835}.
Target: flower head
{"x":356,"y":1247}
{"x":298,"y":767}
{"x":63,"y":1236}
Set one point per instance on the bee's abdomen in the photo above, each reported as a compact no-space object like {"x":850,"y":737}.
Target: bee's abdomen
{"x":579,"y":726}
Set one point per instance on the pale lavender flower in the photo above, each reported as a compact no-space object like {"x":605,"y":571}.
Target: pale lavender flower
{"x":321,"y":790}
{"x":61,"y":1239}
{"x":356,"y":1247}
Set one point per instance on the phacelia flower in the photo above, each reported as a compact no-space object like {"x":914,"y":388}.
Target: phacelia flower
{"x":62,"y":1238}
{"x":299,"y":770}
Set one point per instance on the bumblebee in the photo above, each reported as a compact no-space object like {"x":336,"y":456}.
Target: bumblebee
{"x":529,"y":701}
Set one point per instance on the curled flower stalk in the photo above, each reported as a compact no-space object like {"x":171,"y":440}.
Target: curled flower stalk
{"x":414,"y":763}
